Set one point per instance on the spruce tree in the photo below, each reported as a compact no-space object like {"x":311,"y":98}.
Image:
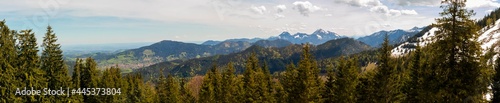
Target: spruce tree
{"x":8,"y":81}
{"x":388,"y":84}
{"x":208,"y":88}
{"x":302,"y":82}
{"x":496,"y":82}
{"x":29,"y":72}
{"x":456,"y":68}
{"x":52,"y":63}
{"x":76,"y":78}
{"x":229,"y":85}
{"x":341,"y":88}
{"x":89,"y":78}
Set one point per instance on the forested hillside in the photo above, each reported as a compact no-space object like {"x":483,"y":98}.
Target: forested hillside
{"x":451,"y":69}
{"x":277,"y":58}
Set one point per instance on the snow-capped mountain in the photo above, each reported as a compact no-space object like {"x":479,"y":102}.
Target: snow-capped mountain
{"x":395,"y":36}
{"x":319,"y":36}
{"x":488,"y":38}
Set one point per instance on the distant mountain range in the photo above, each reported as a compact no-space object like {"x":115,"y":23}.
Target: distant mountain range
{"x":394,"y":36}
{"x":276,"y":57}
{"x":319,"y":36}
{"x":168,"y":50}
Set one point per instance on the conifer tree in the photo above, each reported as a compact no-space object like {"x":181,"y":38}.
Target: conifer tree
{"x":52,"y":63}
{"x":89,"y":78}
{"x":342,"y":86}
{"x":208,"y":88}
{"x":388,"y":83}
{"x":229,"y":86}
{"x":458,"y":75}
{"x":29,"y":72}
{"x":496,"y":82}
{"x":111,"y":78}
{"x":76,"y":78}
{"x":8,"y":81}
{"x":168,"y":90}
{"x":305,"y":84}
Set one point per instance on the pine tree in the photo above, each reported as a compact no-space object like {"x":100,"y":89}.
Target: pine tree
{"x":208,"y":88}
{"x":458,"y":74}
{"x":168,"y":90}
{"x":29,"y":72}
{"x":342,"y":87}
{"x":111,"y":78}
{"x":229,"y":86}
{"x":52,"y":63}
{"x":8,"y":81}
{"x":76,"y":78}
{"x":89,"y":78}
{"x":388,"y":83}
{"x":302,"y":82}
{"x":161,"y":88}
{"x":256,"y":82}
{"x":496,"y":82}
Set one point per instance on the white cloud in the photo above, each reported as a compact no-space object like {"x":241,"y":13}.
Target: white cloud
{"x":417,"y":2}
{"x":361,"y":3}
{"x":328,"y":15}
{"x":305,"y":7}
{"x":409,"y":12}
{"x":279,"y":16}
{"x":392,"y":12}
{"x":280,"y":8}
{"x":482,"y":4}
{"x":258,"y":9}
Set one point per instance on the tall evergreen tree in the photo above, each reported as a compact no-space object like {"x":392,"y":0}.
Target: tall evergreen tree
{"x":89,"y":78}
{"x":341,"y":88}
{"x":209,"y":86}
{"x":8,"y":81}
{"x":168,"y":90}
{"x":52,"y":63}
{"x":496,"y":82}
{"x":29,"y":72}
{"x":458,"y":74}
{"x":229,"y":85}
{"x":388,"y":83}
{"x":76,"y":78}
{"x":305,"y":84}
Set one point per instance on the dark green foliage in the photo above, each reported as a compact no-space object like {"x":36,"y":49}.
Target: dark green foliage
{"x":89,"y":78}
{"x":302,"y":82}
{"x":496,"y":82}
{"x":209,"y":89}
{"x":76,"y":78}
{"x":168,"y":90}
{"x":230,"y":91}
{"x":53,"y":64}
{"x":457,"y":72}
{"x":8,"y":80}
{"x":341,"y":85}
{"x":111,"y":78}
{"x":388,"y":81}
{"x":256,"y":82}
{"x":29,"y":72}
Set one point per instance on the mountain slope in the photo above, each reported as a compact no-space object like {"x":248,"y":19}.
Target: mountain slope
{"x":277,"y":58}
{"x":488,"y":38}
{"x":394,"y":36}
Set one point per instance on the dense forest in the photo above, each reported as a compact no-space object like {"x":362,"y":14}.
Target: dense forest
{"x":451,"y":69}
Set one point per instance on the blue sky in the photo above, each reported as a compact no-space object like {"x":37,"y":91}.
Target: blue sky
{"x":125,"y":21}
